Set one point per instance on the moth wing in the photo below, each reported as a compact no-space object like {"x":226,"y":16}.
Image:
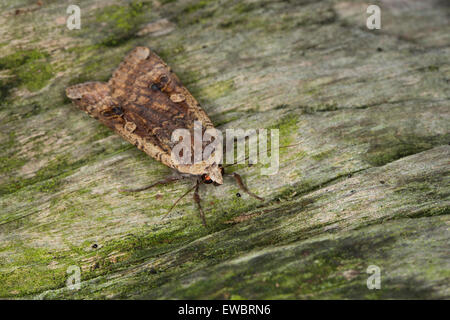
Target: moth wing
{"x":141,"y":69}
{"x":154,"y":99}
{"x":91,"y":97}
{"x":144,"y":102}
{"x":96,"y":100}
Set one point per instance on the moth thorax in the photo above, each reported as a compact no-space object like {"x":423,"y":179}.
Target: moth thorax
{"x":214,"y":173}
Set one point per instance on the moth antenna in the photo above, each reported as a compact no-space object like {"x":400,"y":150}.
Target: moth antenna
{"x":290,"y":145}
{"x":241,"y":185}
{"x":246,"y":158}
{"x":164,"y":181}
{"x":197,"y":201}
{"x":178,"y":200}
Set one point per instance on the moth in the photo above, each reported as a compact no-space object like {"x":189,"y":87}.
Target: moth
{"x":144,"y":102}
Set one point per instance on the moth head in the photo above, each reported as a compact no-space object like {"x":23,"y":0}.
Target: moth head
{"x":213,"y":174}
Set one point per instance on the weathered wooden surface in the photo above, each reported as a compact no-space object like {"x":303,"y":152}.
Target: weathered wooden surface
{"x":367,"y":185}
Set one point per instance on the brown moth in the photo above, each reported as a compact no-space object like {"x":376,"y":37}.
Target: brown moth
{"x":144,"y":102}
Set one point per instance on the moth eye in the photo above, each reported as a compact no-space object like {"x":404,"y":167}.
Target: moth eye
{"x":155,"y":87}
{"x":206,"y":179}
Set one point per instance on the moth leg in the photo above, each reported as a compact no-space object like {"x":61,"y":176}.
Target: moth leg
{"x":164,"y":181}
{"x":241,"y":185}
{"x":197,"y":201}
{"x":178,"y":200}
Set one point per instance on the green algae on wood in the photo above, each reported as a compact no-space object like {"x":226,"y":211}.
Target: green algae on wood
{"x":366,"y":182}
{"x":30,"y":68}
